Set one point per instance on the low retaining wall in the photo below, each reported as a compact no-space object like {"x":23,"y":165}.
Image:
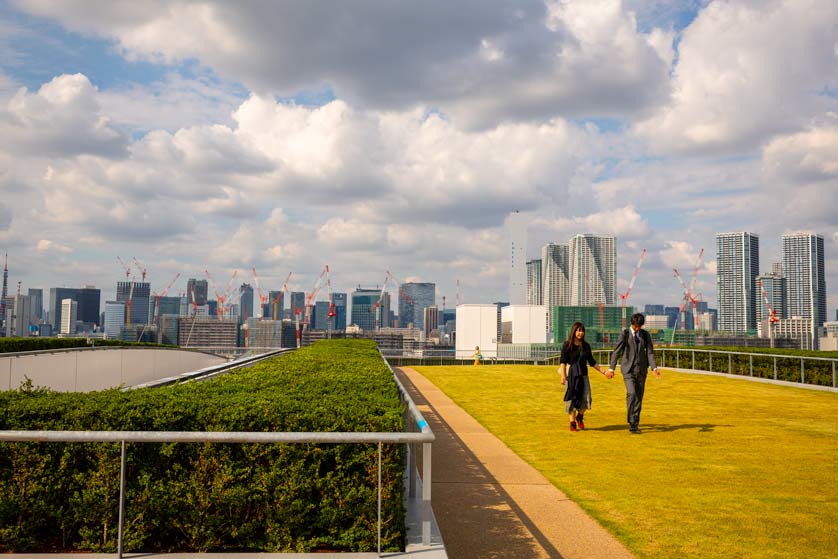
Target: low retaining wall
{"x":85,"y":370}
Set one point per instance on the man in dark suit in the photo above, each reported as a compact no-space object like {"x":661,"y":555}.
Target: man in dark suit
{"x":635,"y":347}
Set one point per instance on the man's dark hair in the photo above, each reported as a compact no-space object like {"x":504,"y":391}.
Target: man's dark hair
{"x":638,"y":319}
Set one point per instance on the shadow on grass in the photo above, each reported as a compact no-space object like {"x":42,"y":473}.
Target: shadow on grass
{"x":661,"y":428}
{"x":476,"y":516}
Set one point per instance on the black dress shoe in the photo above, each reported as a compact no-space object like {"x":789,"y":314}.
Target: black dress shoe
{"x":634,"y":428}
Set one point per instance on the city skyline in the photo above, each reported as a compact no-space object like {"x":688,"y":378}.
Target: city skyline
{"x":659,"y":124}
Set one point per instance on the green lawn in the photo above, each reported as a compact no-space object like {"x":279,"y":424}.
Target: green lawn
{"x":723,"y":468}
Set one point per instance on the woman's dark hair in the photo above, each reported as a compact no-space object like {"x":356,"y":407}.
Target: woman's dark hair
{"x":571,"y":337}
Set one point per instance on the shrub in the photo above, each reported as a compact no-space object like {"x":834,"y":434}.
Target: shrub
{"x":212,"y":497}
{"x":11,"y":345}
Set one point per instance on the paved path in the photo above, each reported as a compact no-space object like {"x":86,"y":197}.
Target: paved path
{"x":488,"y":502}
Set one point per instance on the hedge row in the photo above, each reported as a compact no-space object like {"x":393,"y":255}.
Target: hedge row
{"x":11,"y":345}
{"x":212,"y":497}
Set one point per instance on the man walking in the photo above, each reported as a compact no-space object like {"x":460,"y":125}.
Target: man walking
{"x":635,"y":347}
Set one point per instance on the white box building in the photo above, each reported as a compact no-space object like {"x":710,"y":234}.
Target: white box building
{"x":524,"y":324}
{"x":477,"y":326}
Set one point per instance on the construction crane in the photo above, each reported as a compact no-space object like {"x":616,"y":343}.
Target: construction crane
{"x":125,"y":267}
{"x":312,"y":295}
{"x":689,"y":293}
{"x":157,"y":296}
{"x":772,"y":314}
{"x":275,"y":302}
{"x":221,"y":299}
{"x":624,"y":296}
{"x":219,"y":309}
{"x":376,"y":307}
{"x":141,"y":268}
{"x":263,"y":299}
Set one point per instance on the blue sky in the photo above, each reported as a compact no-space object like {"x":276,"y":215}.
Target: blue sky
{"x":213,"y":136}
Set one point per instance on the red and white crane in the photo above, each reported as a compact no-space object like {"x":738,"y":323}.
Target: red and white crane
{"x":772,"y":314}
{"x":689,"y":293}
{"x":376,"y":307}
{"x":157,"y":297}
{"x":263,"y":299}
{"x":275,"y":301}
{"x":311,"y":296}
{"x":624,"y":296}
{"x":141,"y":268}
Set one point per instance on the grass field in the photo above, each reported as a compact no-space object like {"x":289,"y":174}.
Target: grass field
{"x":723,"y":468}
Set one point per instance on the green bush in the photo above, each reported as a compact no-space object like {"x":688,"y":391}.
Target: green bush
{"x":11,"y":345}
{"x":212,"y":497}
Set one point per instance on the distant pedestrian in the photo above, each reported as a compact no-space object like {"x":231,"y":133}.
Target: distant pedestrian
{"x":573,"y":367}
{"x":478,"y":357}
{"x":635,"y":348}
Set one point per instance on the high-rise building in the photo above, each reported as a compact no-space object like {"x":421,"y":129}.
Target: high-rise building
{"x":339,"y":299}
{"x":411,"y":311}
{"x":168,"y":305}
{"x":56,"y":295}
{"x":88,"y":308}
{"x":535,"y":287}
{"x":320,"y":316}
{"x":275,"y":306}
{"x":654,"y":310}
{"x":114,"y":319}
{"x":592,"y":270}
{"x":555,"y":266}
{"x":69,"y":315}
{"x":737,"y":268}
{"x":200,"y":331}
{"x":246,"y":301}
{"x":298,"y":303}
{"x":431,"y":320}
{"x":36,"y":298}
{"x":18,"y":312}
{"x":803,"y":265}
{"x":364,"y":314}
{"x":775,"y":289}
{"x":139,"y":294}
{"x":517,"y":224}
{"x":198,"y":288}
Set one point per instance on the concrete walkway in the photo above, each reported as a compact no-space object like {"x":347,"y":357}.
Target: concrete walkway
{"x":488,"y":502}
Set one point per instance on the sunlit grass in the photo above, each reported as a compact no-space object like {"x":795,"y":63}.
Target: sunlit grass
{"x":723,"y":468}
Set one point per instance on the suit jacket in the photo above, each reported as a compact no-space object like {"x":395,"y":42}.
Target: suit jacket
{"x":636,"y":359}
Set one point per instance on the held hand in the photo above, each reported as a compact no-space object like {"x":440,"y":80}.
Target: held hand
{"x":657,"y":372}
{"x":609,"y":374}
{"x":564,"y":380}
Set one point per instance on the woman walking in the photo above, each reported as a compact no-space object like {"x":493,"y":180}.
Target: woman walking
{"x":573,"y":367}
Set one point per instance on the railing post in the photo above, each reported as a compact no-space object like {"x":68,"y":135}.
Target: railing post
{"x":411,"y":470}
{"x":677,"y":359}
{"x":379,"y":498}
{"x":729,"y":364}
{"x":121,"y":501}
{"x":693,"y":353}
{"x":751,"y":364}
{"x":710,"y":359}
{"x":775,"y":368}
{"x":833,"y":374}
{"x":802,"y":374}
{"x":426,"y":494}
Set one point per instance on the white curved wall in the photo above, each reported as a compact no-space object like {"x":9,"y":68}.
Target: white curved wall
{"x":86,"y":370}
